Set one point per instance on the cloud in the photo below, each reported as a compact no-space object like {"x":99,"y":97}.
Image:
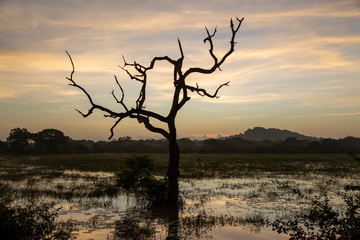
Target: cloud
{"x":301,"y":53}
{"x":31,"y":62}
{"x":326,"y":115}
{"x":258,"y":98}
{"x":299,"y":56}
{"x":7,"y":94}
{"x":247,"y":117}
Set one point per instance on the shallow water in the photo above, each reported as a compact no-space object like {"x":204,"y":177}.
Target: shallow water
{"x":212,"y":208}
{"x":212,"y":198}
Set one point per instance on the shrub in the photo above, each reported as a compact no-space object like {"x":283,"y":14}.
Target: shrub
{"x":138,"y":179}
{"x":322,"y":221}
{"x":31,"y":221}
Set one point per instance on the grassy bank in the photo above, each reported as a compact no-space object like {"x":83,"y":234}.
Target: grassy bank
{"x":192,"y":165}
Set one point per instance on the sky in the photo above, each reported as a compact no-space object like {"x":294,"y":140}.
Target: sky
{"x":296,"y":65}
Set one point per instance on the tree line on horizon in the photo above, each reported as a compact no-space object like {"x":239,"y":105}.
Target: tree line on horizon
{"x":53,"y":141}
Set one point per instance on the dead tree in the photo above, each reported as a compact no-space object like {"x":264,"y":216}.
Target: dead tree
{"x":180,"y":97}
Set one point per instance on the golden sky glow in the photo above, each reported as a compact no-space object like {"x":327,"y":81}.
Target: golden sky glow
{"x":296,"y":64}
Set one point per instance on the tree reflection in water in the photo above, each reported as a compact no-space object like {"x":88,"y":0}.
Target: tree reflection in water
{"x":144,"y":223}
{"x":154,"y":218}
{"x":134,"y":227}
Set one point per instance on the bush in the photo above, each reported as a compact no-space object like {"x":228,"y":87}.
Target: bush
{"x":322,"y":221}
{"x":31,"y":221}
{"x":138,"y":179}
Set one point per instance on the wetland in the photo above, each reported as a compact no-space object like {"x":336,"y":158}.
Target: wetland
{"x":222,"y":196}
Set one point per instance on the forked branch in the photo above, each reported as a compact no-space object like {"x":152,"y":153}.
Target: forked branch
{"x":121,"y":101}
{"x":93,"y":105}
{"x":202,"y":92}
{"x":142,"y":115}
{"x":180,"y":96}
{"x":217,"y":64}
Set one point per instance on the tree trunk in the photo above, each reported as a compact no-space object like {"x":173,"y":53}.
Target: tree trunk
{"x":173,"y":222}
{"x":173,"y":172}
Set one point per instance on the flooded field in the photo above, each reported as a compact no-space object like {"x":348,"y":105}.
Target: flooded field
{"x":242,"y":205}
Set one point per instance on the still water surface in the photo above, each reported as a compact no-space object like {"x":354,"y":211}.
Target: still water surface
{"x":214,"y":208}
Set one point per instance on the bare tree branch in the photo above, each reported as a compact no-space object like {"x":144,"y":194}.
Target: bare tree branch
{"x":152,"y":128}
{"x":217,"y":63}
{"x":113,"y":127}
{"x":142,"y":115}
{"x":94,"y":106}
{"x":202,"y":92}
{"x":211,"y":50}
{"x":181,"y":50}
{"x":122,"y":95}
{"x":180,"y":96}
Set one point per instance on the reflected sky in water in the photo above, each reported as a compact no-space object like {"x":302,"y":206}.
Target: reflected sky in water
{"x":212,"y":208}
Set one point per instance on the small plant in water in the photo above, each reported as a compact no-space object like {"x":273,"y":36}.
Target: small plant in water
{"x":322,"y":221}
{"x":31,"y":221}
{"x":139,"y":179}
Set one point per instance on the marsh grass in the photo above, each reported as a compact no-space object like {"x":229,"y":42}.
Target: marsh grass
{"x":31,"y":219}
{"x":206,"y":165}
{"x":139,"y":180}
{"x":93,"y":175}
{"x":322,"y":220}
{"x":88,"y":181}
{"x":238,"y":165}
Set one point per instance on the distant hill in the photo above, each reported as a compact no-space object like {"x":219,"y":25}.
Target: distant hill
{"x":273,"y":134}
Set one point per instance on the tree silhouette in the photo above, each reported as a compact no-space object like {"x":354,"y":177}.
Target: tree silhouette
{"x":49,"y":140}
{"x":19,"y":139}
{"x":180,"y":97}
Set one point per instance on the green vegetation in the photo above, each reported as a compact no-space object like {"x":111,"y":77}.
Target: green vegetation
{"x":323,"y":221}
{"x":90,"y":180}
{"x":139,"y":180}
{"x":191,"y":165}
{"x":30,"y":221}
